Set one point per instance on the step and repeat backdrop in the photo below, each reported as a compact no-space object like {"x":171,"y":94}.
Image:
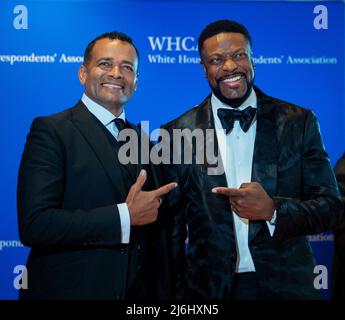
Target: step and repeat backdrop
{"x":298,"y":50}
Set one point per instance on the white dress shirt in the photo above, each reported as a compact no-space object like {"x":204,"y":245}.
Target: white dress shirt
{"x":236,"y":150}
{"x":106,"y":118}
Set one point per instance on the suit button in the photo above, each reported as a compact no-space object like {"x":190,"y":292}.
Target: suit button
{"x":139,"y":267}
{"x":138,"y":246}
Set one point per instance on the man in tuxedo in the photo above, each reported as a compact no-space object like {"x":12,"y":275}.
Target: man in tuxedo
{"x":92,"y":230}
{"x":246,"y":227}
{"x":339,"y":238}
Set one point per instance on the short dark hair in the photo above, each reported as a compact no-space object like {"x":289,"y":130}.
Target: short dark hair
{"x":221,"y":26}
{"x":113,"y":35}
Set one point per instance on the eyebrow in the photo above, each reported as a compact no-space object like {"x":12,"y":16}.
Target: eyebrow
{"x":239,"y":49}
{"x":234,"y":51}
{"x":111,"y":59}
{"x":104,"y":58}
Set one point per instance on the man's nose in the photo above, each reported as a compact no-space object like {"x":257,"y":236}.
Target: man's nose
{"x":229,"y":64}
{"x":116,"y":72}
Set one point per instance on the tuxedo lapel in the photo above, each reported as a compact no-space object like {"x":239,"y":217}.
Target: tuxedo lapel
{"x":264,"y":169}
{"x":94,"y":135}
{"x":205,"y":121}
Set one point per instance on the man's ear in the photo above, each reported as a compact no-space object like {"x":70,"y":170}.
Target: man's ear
{"x":136,"y":81}
{"x":82,"y":74}
{"x":204,"y":68}
{"x":253,"y":66}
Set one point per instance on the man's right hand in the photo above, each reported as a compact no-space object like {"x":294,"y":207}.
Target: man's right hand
{"x":143,"y":205}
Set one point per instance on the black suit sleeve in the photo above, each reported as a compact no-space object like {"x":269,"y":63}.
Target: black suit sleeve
{"x":339,"y":171}
{"x":339,"y":238}
{"x":42,"y":218}
{"x":319,"y":207}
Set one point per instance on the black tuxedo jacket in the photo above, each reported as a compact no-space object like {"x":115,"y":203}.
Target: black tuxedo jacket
{"x":292,"y":166}
{"x":70,"y":180}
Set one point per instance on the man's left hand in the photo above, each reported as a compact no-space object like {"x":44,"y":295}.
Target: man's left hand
{"x":250,"y":201}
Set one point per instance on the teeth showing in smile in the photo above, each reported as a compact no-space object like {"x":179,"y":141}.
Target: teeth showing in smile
{"x":232,"y":79}
{"x":110,"y":85}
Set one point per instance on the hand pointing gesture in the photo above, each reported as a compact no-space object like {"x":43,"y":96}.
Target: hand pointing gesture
{"x":250,"y":201}
{"x":143,"y":205}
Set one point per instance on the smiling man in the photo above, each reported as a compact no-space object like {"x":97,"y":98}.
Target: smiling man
{"x":247,"y":227}
{"x":109,"y":73}
{"x":93,"y":231}
{"x":228,"y":66}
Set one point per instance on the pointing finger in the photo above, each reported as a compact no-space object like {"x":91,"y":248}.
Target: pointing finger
{"x":141,"y":179}
{"x":230,"y":192}
{"x":165,"y":189}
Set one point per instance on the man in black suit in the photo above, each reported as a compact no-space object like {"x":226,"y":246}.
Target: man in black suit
{"x":339,"y":238}
{"x":247,"y":225}
{"x":91,"y":228}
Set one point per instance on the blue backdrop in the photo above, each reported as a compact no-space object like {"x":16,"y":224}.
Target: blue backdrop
{"x":42,"y":43}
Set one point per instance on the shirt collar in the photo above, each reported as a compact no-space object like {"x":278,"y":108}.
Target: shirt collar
{"x":101,"y":113}
{"x":250,"y":101}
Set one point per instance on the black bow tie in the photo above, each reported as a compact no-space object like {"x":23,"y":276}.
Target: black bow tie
{"x":229,"y":116}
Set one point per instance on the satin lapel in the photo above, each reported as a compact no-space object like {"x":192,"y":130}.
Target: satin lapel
{"x":94,"y":135}
{"x":265,"y":156}
{"x":205,"y":121}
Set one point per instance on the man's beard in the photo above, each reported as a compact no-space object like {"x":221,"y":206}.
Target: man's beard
{"x":234,"y":103}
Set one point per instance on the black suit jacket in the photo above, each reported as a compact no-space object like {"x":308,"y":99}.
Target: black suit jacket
{"x":339,"y":237}
{"x":292,"y":166}
{"x":70,"y":180}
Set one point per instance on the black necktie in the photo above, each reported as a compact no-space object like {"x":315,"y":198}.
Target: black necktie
{"x":229,"y":116}
{"x":129,"y":168}
{"x":120,"y":124}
